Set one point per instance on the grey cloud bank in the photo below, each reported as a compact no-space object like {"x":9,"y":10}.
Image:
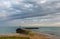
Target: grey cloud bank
{"x":30,"y":12}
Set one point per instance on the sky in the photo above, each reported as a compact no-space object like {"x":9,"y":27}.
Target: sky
{"x":29,"y":12}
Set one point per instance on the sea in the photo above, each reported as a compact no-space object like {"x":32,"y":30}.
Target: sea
{"x":47,"y":30}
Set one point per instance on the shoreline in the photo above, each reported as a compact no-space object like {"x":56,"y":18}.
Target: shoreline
{"x":34,"y":36}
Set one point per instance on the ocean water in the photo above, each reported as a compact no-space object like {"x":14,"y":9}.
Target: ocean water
{"x":48,"y":30}
{"x":6,"y":29}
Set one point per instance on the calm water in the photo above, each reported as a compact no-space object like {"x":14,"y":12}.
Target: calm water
{"x":49,"y":30}
{"x":4,"y":30}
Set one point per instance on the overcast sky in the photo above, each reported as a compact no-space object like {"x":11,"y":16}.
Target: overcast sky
{"x":29,"y":12}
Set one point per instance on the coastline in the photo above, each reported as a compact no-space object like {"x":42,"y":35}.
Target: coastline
{"x":34,"y":36}
{"x":31,"y":35}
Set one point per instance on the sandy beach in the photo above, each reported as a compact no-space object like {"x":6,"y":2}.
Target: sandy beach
{"x":32,"y":36}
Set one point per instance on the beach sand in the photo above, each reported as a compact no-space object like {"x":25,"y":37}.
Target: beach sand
{"x":32,"y":35}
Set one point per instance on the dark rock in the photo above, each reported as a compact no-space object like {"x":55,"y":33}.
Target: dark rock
{"x":21,"y":31}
